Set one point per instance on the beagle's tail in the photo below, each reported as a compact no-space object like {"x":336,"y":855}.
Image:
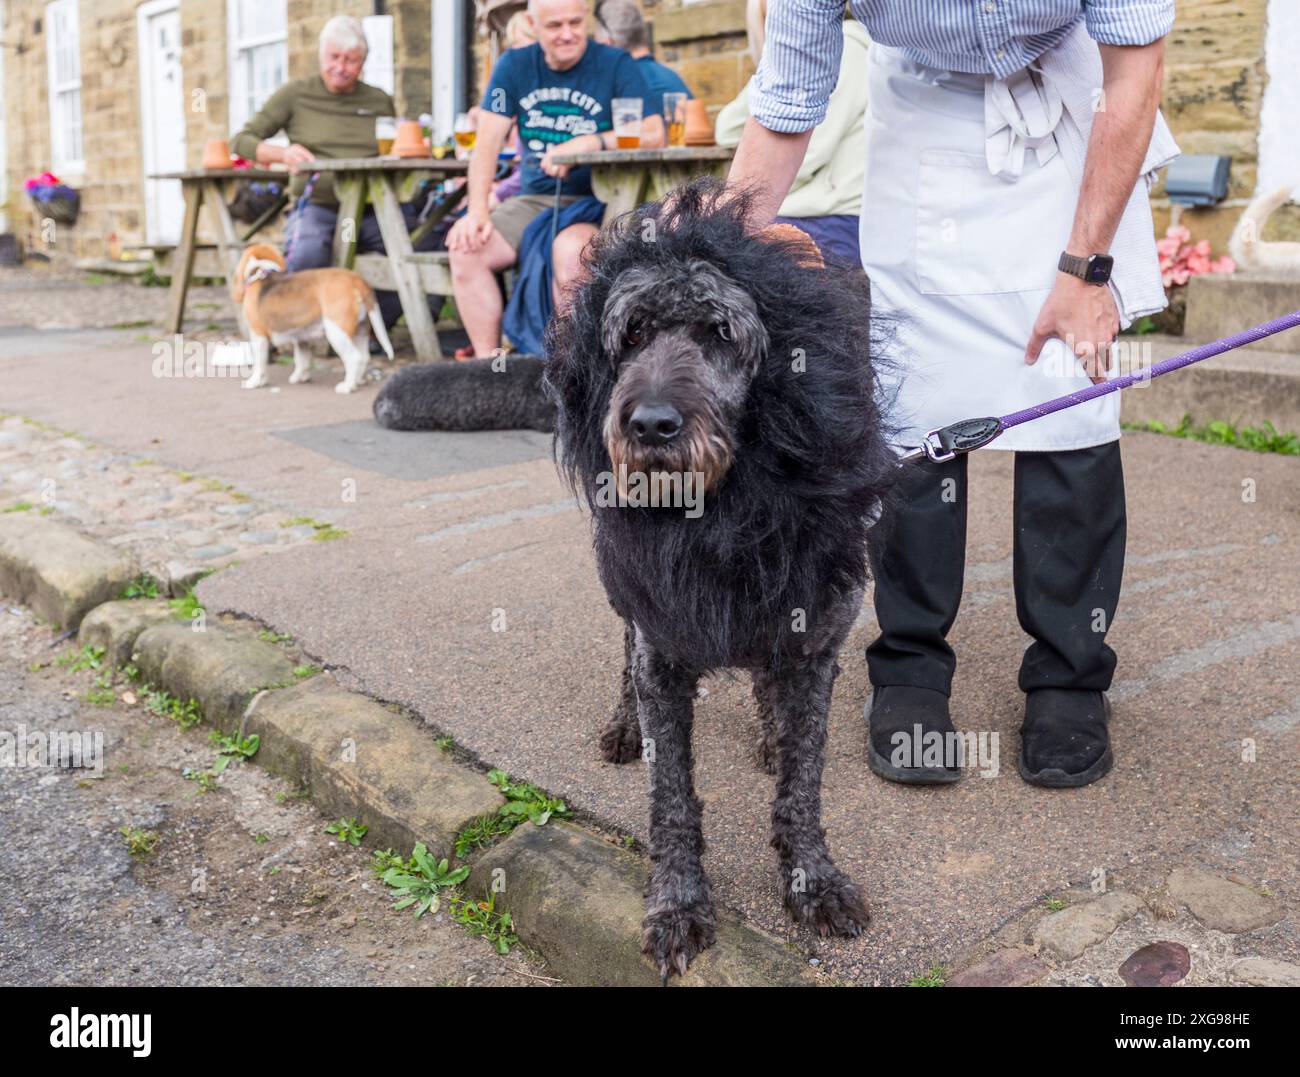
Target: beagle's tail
{"x":377,"y":326}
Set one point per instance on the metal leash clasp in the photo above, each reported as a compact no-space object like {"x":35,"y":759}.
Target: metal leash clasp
{"x":930,"y":447}
{"x":945,"y":442}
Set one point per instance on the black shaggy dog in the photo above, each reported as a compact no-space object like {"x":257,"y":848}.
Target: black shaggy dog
{"x":479,"y":394}
{"x":696,"y":349}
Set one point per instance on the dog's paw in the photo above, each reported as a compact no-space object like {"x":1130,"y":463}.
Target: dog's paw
{"x":830,"y":905}
{"x":620,"y":740}
{"x":765,"y":755}
{"x":255,"y":383}
{"x":672,"y":938}
{"x":295,"y":377}
{"x":344,"y":387}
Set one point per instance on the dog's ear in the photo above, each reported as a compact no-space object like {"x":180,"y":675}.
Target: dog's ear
{"x":798,"y":242}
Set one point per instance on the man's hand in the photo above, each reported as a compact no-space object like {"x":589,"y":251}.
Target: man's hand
{"x":469,"y":233}
{"x":1084,"y":316}
{"x":295,"y":156}
{"x":548,"y":165}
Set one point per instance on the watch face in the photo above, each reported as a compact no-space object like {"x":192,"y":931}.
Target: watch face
{"x":1099,"y":266}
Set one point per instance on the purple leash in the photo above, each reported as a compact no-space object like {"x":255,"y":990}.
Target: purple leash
{"x":969,"y":434}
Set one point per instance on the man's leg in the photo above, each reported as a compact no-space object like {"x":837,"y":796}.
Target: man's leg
{"x":918,"y":575}
{"x":309,"y":235}
{"x":478,"y":296}
{"x":566,"y":264}
{"x":1069,"y":525}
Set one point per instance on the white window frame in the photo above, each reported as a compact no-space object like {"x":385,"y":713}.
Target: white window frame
{"x":238,"y":112}
{"x":67,"y":150}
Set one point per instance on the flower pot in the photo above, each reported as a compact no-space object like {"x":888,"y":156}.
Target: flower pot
{"x":409,"y":141}
{"x":699,"y":131}
{"x":216,"y":154}
{"x":62,"y":208}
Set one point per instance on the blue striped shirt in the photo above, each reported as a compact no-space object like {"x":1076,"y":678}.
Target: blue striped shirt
{"x":801,"y":56}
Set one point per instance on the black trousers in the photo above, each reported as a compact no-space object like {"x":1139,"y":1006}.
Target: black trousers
{"x":1069,"y":525}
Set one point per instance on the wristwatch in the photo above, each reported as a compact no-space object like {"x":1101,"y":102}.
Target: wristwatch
{"x":1095,"y":268}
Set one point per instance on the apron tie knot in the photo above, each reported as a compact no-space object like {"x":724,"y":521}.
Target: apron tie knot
{"x":1020,"y":113}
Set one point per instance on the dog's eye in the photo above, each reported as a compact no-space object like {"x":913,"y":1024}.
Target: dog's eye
{"x":723,"y":330}
{"x":635,"y":334}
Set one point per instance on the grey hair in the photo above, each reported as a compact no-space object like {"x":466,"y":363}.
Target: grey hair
{"x":345,"y":32}
{"x":625,"y":23}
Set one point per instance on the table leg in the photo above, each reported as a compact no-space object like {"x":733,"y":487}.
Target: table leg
{"x":183,"y":260}
{"x":621,"y":188}
{"x":351,"y":193}
{"x":228,"y":246}
{"x":397,"y":244}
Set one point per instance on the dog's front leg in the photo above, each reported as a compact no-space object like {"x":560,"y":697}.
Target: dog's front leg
{"x":261,"y":357}
{"x":620,"y":740}
{"x":679,"y":919}
{"x":815,"y":892}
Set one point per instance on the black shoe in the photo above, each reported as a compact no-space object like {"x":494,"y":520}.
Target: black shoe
{"x":1064,"y":742}
{"x":899,"y":709}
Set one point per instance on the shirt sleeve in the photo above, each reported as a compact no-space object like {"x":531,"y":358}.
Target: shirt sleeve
{"x":800,"y":64}
{"x":268,"y":120}
{"x":1128,"y":22}
{"x":502,"y":93}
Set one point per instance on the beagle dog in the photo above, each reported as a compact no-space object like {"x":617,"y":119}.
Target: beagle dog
{"x":295,"y":308}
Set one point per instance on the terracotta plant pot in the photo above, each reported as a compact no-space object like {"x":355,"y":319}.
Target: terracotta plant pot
{"x":409,"y":141}
{"x":699,"y":131}
{"x":216,"y":154}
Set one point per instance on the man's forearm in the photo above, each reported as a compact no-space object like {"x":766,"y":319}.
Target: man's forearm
{"x":1121,"y":132}
{"x":482,"y":171}
{"x":766,"y":163}
{"x":268,"y":153}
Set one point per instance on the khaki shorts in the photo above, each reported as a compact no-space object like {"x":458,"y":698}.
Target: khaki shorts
{"x":515,"y":214}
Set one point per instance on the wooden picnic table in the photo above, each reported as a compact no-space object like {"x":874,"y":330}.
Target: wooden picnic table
{"x":211,"y":187}
{"x":624,"y":179}
{"x":385,"y":183}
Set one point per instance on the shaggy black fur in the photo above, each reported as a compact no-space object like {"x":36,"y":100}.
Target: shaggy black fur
{"x":479,"y":394}
{"x":762,"y":366}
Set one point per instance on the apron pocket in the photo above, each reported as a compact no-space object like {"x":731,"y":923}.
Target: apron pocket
{"x":978,"y":234}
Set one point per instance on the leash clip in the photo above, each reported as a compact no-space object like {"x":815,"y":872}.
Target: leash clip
{"x":944,"y":442}
{"x":930,"y":447}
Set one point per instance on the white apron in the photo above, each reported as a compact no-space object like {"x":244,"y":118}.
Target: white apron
{"x":964,"y":259}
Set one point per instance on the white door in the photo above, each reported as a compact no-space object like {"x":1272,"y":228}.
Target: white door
{"x":162,"y":117}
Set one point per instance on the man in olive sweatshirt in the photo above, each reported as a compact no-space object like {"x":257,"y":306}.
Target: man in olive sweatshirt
{"x":329,"y":114}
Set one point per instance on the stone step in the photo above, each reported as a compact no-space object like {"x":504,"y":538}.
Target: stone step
{"x":1243,"y":387}
{"x":1218,"y":306}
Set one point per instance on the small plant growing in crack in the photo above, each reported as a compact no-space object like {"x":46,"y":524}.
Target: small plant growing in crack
{"x":481,"y":918}
{"x":348,"y":830}
{"x":139,"y":843}
{"x":420,"y":879}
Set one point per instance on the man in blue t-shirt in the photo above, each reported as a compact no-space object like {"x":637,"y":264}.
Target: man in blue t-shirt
{"x":560,"y":91}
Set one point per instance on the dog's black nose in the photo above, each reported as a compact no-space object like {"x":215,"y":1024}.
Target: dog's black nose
{"x":655,"y":424}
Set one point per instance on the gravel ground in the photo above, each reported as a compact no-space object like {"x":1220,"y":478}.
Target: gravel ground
{"x":243,"y":886}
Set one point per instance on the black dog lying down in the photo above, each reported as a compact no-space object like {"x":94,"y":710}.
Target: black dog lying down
{"x":696,"y":349}
{"x":479,"y":394}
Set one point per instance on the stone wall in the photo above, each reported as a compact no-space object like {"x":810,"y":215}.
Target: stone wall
{"x":1214,"y":87}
